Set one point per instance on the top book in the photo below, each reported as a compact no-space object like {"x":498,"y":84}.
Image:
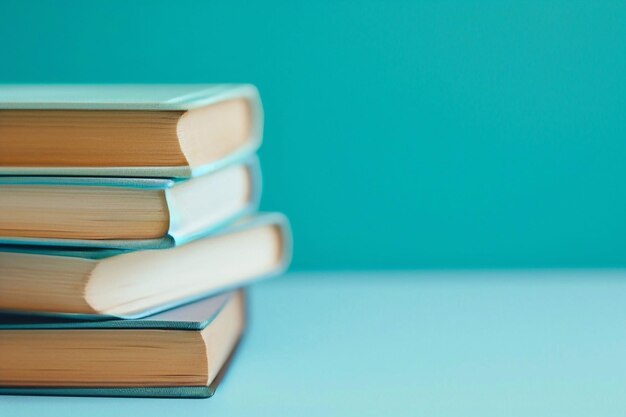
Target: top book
{"x":126,"y":130}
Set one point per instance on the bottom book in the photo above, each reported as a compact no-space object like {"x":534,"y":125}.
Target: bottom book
{"x":182,"y":352}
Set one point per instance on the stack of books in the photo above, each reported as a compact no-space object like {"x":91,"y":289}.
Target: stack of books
{"x":128,"y":226}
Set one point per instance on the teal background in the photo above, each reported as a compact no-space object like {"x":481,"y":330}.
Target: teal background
{"x":399,"y":135}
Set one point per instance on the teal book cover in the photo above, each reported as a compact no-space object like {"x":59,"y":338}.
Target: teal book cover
{"x":210,"y":318}
{"x":100,"y":284}
{"x":86,"y":122}
{"x":194,"y":207}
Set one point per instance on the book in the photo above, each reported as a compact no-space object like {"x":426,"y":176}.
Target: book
{"x":99,"y":283}
{"x":126,"y":213}
{"x":126,"y":130}
{"x":182,"y":352}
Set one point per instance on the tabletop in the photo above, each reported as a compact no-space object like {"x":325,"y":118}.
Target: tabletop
{"x":464,"y":343}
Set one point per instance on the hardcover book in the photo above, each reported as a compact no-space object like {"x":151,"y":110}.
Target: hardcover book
{"x":125,"y":213}
{"x":97,"y":283}
{"x":126,"y":130}
{"x":182,"y":352}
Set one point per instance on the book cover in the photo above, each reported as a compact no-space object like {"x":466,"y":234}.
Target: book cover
{"x":175,"y":236}
{"x":190,"y":317}
{"x":129,"y":97}
{"x":98,"y":254}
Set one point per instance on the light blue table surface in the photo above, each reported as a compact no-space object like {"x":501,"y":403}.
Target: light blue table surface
{"x":544,"y":343}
